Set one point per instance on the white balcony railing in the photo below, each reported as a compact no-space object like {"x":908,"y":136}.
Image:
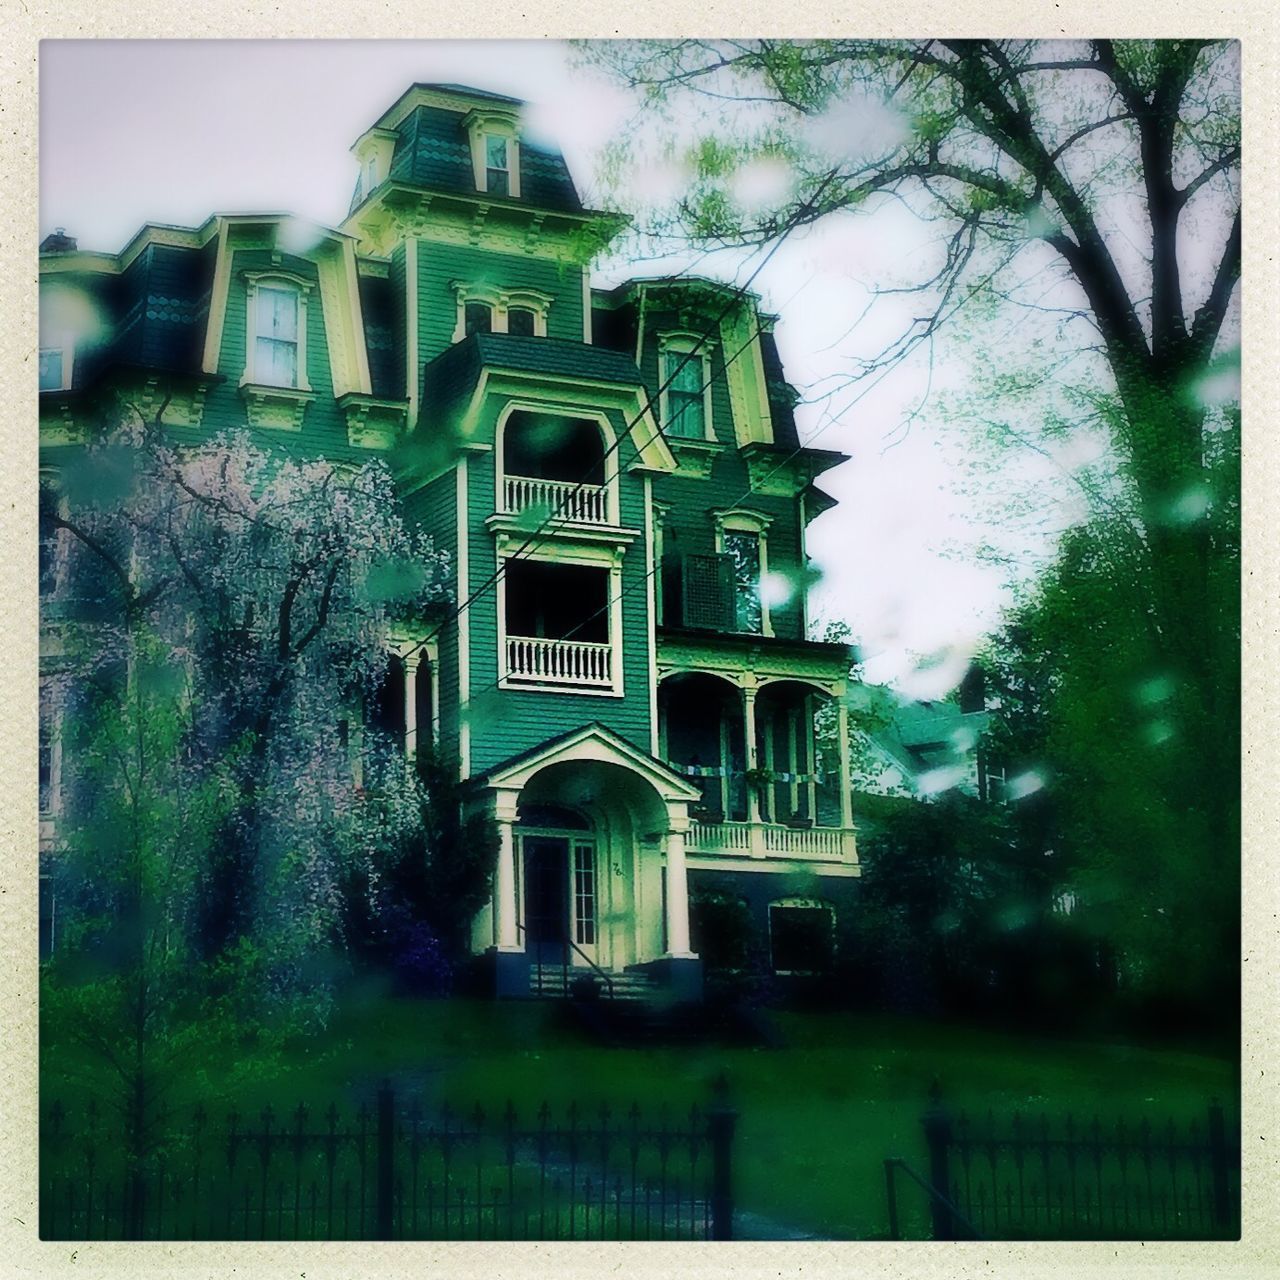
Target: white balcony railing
{"x":567,"y":662}
{"x":772,"y":840}
{"x":584,"y":503}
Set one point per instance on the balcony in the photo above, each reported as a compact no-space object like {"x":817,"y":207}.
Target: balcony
{"x":772,"y":840}
{"x":556,"y":499}
{"x":573,"y":663}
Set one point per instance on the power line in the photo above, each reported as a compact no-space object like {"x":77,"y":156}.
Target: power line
{"x":651,"y":400}
{"x":644,"y":580}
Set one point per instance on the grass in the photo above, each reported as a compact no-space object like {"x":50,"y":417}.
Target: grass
{"x":817,"y":1117}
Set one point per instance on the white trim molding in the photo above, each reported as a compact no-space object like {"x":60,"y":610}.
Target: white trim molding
{"x":482,"y":123}
{"x":741,"y":520}
{"x":283,"y":281}
{"x":678,"y":342}
{"x":501,"y":302}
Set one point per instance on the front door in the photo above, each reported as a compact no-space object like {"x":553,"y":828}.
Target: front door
{"x":546,"y":898}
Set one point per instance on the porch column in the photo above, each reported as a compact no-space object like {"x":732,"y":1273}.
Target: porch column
{"x":677,"y":896}
{"x":505,"y":880}
{"x":846,"y":782}
{"x":756,"y":832}
{"x":434,"y":669}
{"x":811,"y":757}
{"x":411,"y":703}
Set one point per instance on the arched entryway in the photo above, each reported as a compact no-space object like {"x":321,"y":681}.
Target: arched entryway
{"x":591,"y":869}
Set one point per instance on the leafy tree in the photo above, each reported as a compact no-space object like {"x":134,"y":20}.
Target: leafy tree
{"x":1098,"y":181}
{"x":216,"y":616}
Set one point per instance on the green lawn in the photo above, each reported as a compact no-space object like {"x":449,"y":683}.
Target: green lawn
{"x":816,"y":1117}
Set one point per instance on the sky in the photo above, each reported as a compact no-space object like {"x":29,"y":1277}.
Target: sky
{"x":172,"y":131}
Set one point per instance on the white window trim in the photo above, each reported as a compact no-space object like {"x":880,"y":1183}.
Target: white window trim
{"x":740,"y":521}
{"x":612,"y":564}
{"x":278,"y":280}
{"x":499,"y":123}
{"x":500,"y":301}
{"x":64,"y":343}
{"x":682,"y":342}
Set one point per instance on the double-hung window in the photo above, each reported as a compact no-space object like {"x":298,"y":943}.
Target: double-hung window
{"x":683,"y":373}
{"x":497,"y":164}
{"x":276,"y":332}
{"x":743,"y":549}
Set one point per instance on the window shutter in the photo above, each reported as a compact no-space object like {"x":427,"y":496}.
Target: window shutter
{"x":708,"y":592}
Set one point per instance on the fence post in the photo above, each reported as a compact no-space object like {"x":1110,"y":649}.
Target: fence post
{"x":721,"y":1120}
{"x":937,"y":1134}
{"x":386,"y":1159}
{"x":891,"y":1194}
{"x":1218,"y":1162}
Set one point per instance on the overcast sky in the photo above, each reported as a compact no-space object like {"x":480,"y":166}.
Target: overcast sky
{"x":158,"y":131}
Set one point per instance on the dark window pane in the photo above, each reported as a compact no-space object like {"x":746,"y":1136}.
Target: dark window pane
{"x":520,"y":320}
{"x":478,"y":318}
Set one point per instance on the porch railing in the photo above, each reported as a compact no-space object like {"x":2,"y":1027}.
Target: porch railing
{"x":570,"y":662}
{"x":770,"y":839}
{"x":586,"y":503}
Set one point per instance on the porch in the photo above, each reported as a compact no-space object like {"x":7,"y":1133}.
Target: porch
{"x":763,"y":735}
{"x":591,"y":877}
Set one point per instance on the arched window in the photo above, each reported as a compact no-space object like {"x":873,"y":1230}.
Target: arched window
{"x":277,"y":331}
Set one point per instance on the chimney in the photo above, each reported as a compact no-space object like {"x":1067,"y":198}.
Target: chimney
{"x":59,"y":242}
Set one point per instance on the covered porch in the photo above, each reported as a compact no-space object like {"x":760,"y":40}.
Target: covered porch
{"x":591,"y":874}
{"x":768,"y":751}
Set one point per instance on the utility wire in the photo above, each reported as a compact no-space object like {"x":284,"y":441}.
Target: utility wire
{"x":537,"y":538}
{"x":643,"y":581}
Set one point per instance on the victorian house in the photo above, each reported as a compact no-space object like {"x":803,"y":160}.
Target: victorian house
{"x":626,"y":678}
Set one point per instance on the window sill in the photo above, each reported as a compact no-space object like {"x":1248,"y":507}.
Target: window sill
{"x":275,"y":408}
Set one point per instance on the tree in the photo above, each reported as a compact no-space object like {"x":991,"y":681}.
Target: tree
{"x":217,"y":614}
{"x":1111,"y":169}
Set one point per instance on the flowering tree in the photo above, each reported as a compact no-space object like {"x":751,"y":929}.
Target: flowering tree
{"x":219,"y":612}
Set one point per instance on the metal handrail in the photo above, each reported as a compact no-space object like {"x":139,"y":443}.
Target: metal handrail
{"x":896,"y":1162}
{"x":564,"y":963}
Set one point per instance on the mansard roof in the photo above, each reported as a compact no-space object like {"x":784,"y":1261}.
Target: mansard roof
{"x":432,"y":148}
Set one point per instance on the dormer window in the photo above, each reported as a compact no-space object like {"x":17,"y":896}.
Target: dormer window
{"x":495,"y":150}
{"x":686,"y":379}
{"x":497,"y":165}
{"x":275,"y":359}
{"x":277,"y":331}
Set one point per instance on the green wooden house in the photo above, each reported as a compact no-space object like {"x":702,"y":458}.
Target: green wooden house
{"x":628,"y":683}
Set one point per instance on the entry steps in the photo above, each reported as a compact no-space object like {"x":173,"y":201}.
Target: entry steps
{"x":631,"y":985}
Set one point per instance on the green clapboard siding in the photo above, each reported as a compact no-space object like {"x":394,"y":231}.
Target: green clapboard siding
{"x":324,"y":428}
{"x":439,"y":265}
{"x":506,"y":722}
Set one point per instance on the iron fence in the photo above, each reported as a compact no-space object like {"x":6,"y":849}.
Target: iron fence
{"x":1032,"y":1177}
{"x":393,"y":1170}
